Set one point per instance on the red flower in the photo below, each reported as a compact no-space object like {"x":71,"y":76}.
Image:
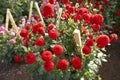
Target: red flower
{"x":36,"y":17}
{"x":40,"y":24}
{"x":48,"y":10}
{"x":46,"y":55}
{"x":90,"y":36}
{"x":53,"y":34}
{"x":18,"y":59}
{"x":49,"y":66}
{"x":65,"y":1}
{"x":98,"y":19}
{"x":51,"y":26}
{"x":27,"y":26}
{"x":113,"y":37}
{"x":41,"y":31}
{"x":102,"y":41}
{"x":89,"y":42}
{"x":86,"y":17}
{"x":77,"y":18}
{"x":106,"y":27}
{"x":51,"y":1}
{"x":24,"y":33}
{"x":81,"y":11}
{"x":63,"y":64}
{"x":35,"y":28}
{"x":86,"y":50}
{"x":58,"y":50}
{"x":77,"y":63}
{"x":96,"y":27}
{"x":30,"y":58}
{"x":26,"y":42}
{"x":102,"y":9}
{"x":40,"y":42}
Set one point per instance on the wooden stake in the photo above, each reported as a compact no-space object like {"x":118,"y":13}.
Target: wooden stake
{"x":14,"y":26}
{"x":39,"y":12}
{"x":77,"y":38}
{"x":30,"y":13}
{"x":59,"y":17}
{"x":7,"y":20}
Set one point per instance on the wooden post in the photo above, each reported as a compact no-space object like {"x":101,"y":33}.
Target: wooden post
{"x":30,"y":13}
{"x":39,"y":12}
{"x":59,"y":17}
{"x":77,"y":38}
{"x":7,"y":19}
{"x":14,"y":26}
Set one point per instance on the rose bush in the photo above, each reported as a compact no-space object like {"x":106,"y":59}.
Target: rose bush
{"x":49,"y":48}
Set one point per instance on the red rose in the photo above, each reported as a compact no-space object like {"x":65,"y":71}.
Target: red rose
{"x":96,"y":27}
{"x":102,"y":9}
{"x":113,"y":37}
{"x":81,"y":11}
{"x":40,"y":24}
{"x":102,"y":41}
{"x":53,"y":34}
{"x":77,"y":63}
{"x":41,"y":31}
{"x":46,"y":55}
{"x":58,"y":50}
{"x":49,"y":66}
{"x":63,"y":64}
{"x":18,"y":59}
{"x":90,"y":36}
{"x":40,"y":42}
{"x":35,"y":28}
{"x":51,"y":26}
{"x":65,"y":1}
{"x":77,"y":18}
{"x":27,"y":26}
{"x":48,"y":10}
{"x":89,"y":42}
{"x":24,"y":33}
{"x":36,"y":17}
{"x":51,"y":1}
{"x":98,"y":19}
{"x":26,"y":42}
{"x":30,"y":58}
{"x":106,"y":27}
{"x":86,"y":50}
{"x":86,"y":17}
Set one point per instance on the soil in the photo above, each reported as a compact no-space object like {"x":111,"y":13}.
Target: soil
{"x":109,"y":70}
{"x":12,"y":72}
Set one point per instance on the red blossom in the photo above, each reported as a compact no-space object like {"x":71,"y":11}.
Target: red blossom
{"x":40,"y":42}
{"x":86,"y":50}
{"x":89,"y":42}
{"x":113,"y":37}
{"x":47,"y":55}
{"x":30,"y":58}
{"x":77,"y":63}
{"x":102,"y":41}
{"x":58,"y":50}
{"x":53,"y":34}
{"x":18,"y":59}
{"x":24,"y":33}
{"x":96,"y":27}
{"x":63,"y":64}
{"x":48,"y":10}
{"x":49,"y":66}
{"x":65,"y":1}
